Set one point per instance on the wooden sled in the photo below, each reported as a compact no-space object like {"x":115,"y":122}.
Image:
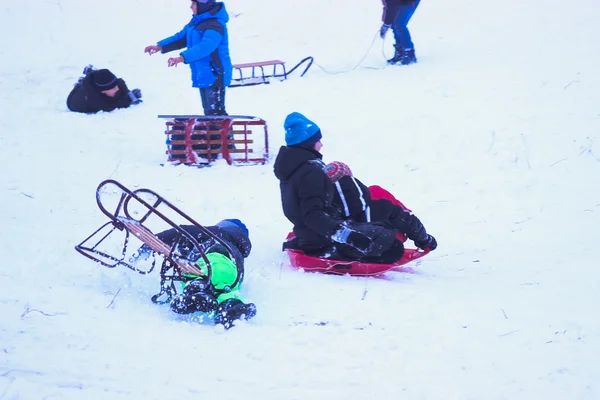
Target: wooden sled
{"x":339,"y":267}
{"x":198,"y":140}
{"x":255,"y":73}
{"x":118,"y":241}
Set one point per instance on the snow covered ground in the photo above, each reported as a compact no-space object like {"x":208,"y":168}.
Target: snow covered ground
{"x":491,"y":139}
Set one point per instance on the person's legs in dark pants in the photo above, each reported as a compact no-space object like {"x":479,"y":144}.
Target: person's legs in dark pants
{"x":213,"y":103}
{"x":405,"y":49}
{"x":213,"y":100}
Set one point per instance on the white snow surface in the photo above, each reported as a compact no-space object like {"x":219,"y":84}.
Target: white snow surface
{"x":491,"y":139}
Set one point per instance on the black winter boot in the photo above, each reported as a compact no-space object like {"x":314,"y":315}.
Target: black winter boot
{"x":399,"y":51}
{"x":233,"y":309}
{"x":197,"y":296}
{"x":408,"y":57}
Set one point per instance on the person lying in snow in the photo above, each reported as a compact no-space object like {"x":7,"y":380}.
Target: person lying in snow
{"x":358,"y":203}
{"x":307,"y":195}
{"x":100,"y":90}
{"x":216,"y":297}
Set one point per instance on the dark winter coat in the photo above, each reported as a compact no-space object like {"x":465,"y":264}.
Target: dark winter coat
{"x":86,"y":98}
{"x":353,"y":200}
{"x":207,"y":42}
{"x":390,"y":9}
{"x":306,"y":197}
{"x":236,"y":238}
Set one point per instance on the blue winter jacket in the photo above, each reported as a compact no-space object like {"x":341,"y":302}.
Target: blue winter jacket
{"x":206,"y":39}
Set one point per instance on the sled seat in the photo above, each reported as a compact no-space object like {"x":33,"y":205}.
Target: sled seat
{"x":157,"y":245}
{"x":255,"y":67}
{"x":198,"y":140}
{"x":342,"y":267}
{"x":211,"y":146}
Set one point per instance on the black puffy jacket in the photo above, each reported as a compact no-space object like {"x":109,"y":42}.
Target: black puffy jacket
{"x":235,"y":237}
{"x":86,"y":98}
{"x":353,"y":200}
{"x":306,"y":197}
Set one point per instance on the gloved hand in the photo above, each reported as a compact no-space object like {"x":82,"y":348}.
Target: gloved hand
{"x":428,"y":242}
{"x":383,"y":30}
{"x":352,"y":238}
{"x":136,"y":96}
{"x":152,"y":49}
{"x":89,"y":68}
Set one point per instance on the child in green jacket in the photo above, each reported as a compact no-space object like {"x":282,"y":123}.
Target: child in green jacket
{"x":216,"y":297}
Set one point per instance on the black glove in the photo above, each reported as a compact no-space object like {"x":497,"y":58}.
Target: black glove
{"x":352,"y":238}
{"x":141,"y":254}
{"x":428,"y":242}
{"x":383,"y":30}
{"x":136,"y":96}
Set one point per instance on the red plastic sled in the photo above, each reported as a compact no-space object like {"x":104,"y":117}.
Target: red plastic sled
{"x":314,"y":264}
{"x":300,"y":260}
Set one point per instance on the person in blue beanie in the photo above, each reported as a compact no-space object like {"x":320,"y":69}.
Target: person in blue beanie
{"x":216,"y":297}
{"x":307,"y":194}
{"x":207,"y":53}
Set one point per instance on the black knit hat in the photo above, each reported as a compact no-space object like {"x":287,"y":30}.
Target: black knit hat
{"x":103,"y":79}
{"x":204,"y":5}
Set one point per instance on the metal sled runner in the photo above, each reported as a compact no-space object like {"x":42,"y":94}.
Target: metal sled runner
{"x":199,"y":139}
{"x":259,"y":76}
{"x":120,"y":241}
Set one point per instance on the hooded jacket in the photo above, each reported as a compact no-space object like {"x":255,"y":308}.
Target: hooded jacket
{"x":207,"y":42}
{"x":306,"y":197}
{"x":86,"y":98}
{"x":354,"y":201}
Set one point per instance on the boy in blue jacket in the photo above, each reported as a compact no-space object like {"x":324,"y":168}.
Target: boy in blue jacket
{"x":207,"y":53}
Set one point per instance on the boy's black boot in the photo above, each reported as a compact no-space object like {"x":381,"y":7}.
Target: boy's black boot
{"x":233,"y":309}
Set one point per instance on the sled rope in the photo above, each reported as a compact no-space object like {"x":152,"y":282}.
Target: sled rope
{"x":361,"y":60}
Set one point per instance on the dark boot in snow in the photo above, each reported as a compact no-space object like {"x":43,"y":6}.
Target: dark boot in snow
{"x":399,"y":51}
{"x":408,"y":57}
{"x":233,"y":309}
{"x":197,"y":296}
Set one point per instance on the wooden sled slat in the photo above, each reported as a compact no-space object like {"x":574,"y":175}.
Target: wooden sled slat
{"x":194,"y":142}
{"x":258,"y":64}
{"x":212,"y":151}
{"x":190,"y":139}
{"x":157,"y":245}
{"x":196,"y":133}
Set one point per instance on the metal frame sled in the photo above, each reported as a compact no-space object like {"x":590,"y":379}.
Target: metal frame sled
{"x":265,"y":77}
{"x":199,"y":139}
{"x":133,"y":211}
{"x":340,"y":267}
